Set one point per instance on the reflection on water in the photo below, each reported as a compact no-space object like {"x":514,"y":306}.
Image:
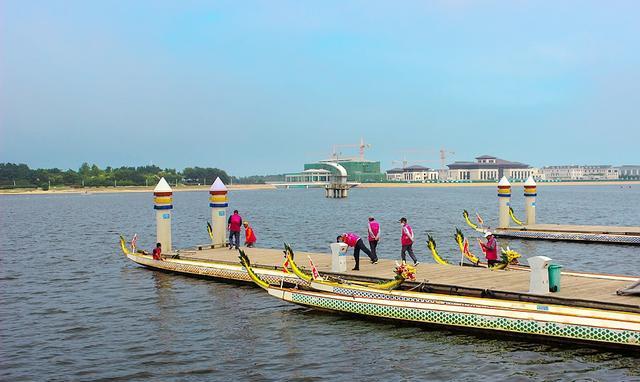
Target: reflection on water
{"x":73,"y":308}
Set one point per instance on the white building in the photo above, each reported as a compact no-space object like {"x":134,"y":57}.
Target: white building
{"x":628,"y":172}
{"x":309,"y":176}
{"x":412,"y":174}
{"x":576,"y":172}
{"x":490,"y":168}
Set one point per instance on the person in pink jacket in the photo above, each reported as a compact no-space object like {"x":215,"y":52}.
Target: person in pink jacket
{"x":353,"y":240}
{"x":373,"y":234}
{"x":407,"y":242}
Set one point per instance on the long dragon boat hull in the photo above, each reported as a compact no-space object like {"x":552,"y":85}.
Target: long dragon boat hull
{"x":212,"y":269}
{"x":609,"y":329}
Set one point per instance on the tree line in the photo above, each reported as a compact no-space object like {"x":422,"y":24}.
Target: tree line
{"x":21,"y":176}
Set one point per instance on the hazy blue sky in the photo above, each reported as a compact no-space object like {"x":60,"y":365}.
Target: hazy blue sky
{"x":262,"y":87}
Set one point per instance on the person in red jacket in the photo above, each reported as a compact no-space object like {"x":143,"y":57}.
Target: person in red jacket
{"x":235,"y":224}
{"x":490,"y":249}
{"x":406,"y":239}
{"x":353,"y":240}
{"x":249,"y":236}
{"x":157,"y":252}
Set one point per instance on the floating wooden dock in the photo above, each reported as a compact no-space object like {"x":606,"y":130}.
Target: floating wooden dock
{"x":581,"y":233}
{"x":501,"y":295}
{"x":576,"y":289}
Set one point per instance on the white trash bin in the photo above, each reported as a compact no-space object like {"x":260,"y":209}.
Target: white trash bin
{"x":338,"y":257}
{"x":539,"y":281}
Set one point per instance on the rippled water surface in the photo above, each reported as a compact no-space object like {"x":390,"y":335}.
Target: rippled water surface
{"x":73,"y":308}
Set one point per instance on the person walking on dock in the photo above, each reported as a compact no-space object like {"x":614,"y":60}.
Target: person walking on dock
{"x":373,"y":231}
{"x":249,"y":236}
{"x":235,"y":224}
{"x":490,"y":249}
{"x":353,"y":240}
{"x":406,"y":239}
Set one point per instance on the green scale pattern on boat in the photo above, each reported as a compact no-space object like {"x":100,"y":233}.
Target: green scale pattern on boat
{"x":473,"y":320}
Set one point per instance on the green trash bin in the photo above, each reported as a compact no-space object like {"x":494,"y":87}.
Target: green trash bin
{"x":554,"y":277}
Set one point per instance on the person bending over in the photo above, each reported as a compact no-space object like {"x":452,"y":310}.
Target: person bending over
{"x":353,"y":240}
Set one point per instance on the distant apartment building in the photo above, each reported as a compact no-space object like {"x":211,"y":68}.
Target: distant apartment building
{"x":576,"y":172}
{"x":412,"y":174}
{"x":490,"y":168}
{"x":629,"y":172}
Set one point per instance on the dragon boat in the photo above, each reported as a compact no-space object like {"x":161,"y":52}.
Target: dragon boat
{"x":221,"y":270}
{"x":550,"y":322}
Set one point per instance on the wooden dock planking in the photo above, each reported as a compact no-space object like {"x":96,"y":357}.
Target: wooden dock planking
{"x":600,"y":291}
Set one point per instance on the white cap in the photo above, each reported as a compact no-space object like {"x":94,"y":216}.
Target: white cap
{"x":487,"y":234}
{"x":530,"y":181}
{"x":162,"y":186}
{"x":218,"y":185}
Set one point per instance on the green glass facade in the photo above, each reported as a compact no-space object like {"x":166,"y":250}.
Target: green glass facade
{"x":357,"y":171}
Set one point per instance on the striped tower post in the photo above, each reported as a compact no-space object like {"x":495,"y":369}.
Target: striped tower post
{"x":218,"y":201}
{"x":504,"y":198}
{"x":530,"y":193}
{"x":163,"y":204}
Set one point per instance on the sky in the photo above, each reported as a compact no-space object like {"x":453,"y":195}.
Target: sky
{"x":262,"y":87}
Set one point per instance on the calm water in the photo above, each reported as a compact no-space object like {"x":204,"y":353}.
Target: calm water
{"x":73,"y":308}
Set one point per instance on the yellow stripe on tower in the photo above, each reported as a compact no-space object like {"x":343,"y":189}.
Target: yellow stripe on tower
{"x":218,"y":199}
{"x":162,"y":200}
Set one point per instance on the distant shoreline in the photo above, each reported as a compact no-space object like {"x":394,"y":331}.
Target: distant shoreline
{"x":494,"y":184}
{"x":126,"y":189}
{"x":244,"y":187}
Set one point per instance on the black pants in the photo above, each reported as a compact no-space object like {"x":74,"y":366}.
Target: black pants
{"x":491,"y":263}
{"x":356,"y":252}
{"x":405,"y":249}
{"x":373,"y":244}
{"x":236,"y":235}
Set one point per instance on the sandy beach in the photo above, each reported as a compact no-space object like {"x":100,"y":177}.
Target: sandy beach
{"x":244,"y":187}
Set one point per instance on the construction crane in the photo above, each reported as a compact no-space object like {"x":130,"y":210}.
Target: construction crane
{"x":405,"y":162}
{"x":362,"y":146}
{"x":443,"y":157}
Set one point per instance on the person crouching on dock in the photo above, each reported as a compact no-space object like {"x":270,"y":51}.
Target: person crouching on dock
{"x":353,"y":240}
{"x":249,"y":235}
{"x":490,"y":249}
{"x":407,"y":242}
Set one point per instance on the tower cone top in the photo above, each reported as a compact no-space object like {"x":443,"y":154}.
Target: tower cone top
{"x":530,"y":181}
{"x":162,"y":186}
{"x":504,"y":182}
{"x":218,"y":185}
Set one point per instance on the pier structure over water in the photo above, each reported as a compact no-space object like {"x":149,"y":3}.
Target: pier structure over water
{"x":338,"y":186}
{"x":564,"y":232}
